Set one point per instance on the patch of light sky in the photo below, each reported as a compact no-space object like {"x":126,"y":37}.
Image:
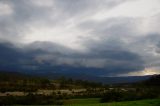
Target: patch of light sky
{"x":146,"y":71}
{"x":5,"y":9}
{"x":136,"y":9}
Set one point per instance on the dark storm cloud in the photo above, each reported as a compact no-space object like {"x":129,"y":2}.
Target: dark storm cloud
{"x":119,"y":58}
{"x":149,"y":49}
{"x":107,"y":62}
{"x":113,"y":46}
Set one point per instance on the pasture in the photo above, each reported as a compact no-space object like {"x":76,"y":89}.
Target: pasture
{"x":95,"y":102}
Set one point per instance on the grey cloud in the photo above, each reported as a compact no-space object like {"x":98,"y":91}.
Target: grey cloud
{"x":25,"y":13}
{"x":74,"y":7}
{"x":13,"y":27}
{"x":117,"y":28}
{"x":108,"y":62}
{"x":114,"y":46}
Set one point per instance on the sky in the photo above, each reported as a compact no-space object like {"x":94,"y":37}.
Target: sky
{"x":111,"y":37}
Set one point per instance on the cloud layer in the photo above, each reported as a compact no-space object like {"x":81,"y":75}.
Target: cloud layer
{"x":119,"y":37}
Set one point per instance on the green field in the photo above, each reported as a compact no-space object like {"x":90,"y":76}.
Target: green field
{"x":82,"y":101}
{"x":154,"y":102}
{"x":95,"y":102}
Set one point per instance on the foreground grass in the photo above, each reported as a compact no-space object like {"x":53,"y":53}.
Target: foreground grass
{"x":154,"y":102}
{"x":95,"y":102}
{"x":82,"y":101}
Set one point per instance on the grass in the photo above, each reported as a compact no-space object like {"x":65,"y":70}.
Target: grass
{"x":95,"y":102}
{"x":82,"y":101}
{"x":154,"y":102}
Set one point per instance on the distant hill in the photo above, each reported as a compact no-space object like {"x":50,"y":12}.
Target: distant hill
{"x":11,"y":76}
{"x":79,"y":76}
{"x":16,"y":76}
{"x":153,"y":80}
{"x":125,"y":79}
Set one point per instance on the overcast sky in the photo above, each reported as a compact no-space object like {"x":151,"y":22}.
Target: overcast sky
{"x":120,"y":37}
